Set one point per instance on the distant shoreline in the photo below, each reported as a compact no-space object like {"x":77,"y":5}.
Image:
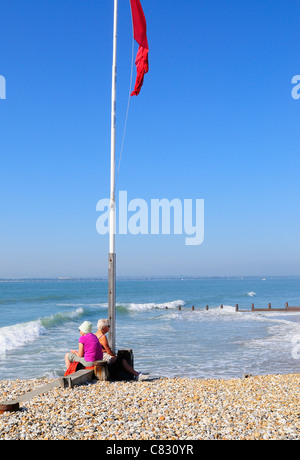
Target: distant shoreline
{"x":152,"y":278}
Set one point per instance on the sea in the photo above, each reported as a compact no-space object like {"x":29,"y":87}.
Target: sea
{"x":164,"y":321}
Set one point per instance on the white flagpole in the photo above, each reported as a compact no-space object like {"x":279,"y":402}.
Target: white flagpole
{"x":112,"y":224}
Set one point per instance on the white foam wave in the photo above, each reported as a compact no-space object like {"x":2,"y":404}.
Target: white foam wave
{"x":251,"y":294}
{"x":154,"y":306}
{"x":19,"y":335}
{"x":281,"y":333}
{"x":200,"y":315}
{"x":16,"y":336}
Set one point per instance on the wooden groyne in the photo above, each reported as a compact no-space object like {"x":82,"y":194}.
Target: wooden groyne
{"x":70,"y":381}
{"x":99,"y":371}
{"x":287,"y":308}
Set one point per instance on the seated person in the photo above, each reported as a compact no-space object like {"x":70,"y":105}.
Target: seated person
{"x":108,"y":355}
{"x":89,"y":349}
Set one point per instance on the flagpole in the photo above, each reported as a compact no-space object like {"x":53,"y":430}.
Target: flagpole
{"x":112,"y":222}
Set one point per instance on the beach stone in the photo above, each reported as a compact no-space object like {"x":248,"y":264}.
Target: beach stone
{"x":260,"y":407}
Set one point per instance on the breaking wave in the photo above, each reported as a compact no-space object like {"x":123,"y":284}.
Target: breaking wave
{"x":153,"y":306}
{"x":18,"y":335}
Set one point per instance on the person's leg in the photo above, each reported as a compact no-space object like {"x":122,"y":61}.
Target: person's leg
{"x":128,"y":368}
{"x":67,"y":361}
{"x":72,"y":358}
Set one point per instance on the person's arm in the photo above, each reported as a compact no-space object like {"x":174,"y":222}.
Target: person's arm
{"x":103,"y":341}
{"x":80,"y":351}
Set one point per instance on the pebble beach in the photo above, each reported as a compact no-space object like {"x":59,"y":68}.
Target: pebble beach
{"x":254,"y":408}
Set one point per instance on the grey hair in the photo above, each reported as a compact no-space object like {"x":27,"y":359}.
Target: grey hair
{"x":102,"y":323}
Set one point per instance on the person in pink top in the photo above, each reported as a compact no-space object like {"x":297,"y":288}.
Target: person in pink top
{"x":89,"y":349}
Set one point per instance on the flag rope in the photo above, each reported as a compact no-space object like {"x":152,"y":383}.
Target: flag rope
{"x":128,"y":104}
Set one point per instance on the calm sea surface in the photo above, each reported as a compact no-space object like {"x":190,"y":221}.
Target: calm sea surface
{"x":39,"y":322}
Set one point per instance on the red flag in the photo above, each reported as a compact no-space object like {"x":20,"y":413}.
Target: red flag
{"x":140,"y":35}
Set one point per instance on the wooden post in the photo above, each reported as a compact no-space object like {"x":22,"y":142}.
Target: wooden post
{"x":78,"y":378}
{"x":286,"y":305}
{"x":101,"y":370}
{"x":118,"y":373}
{"x":193,"y":308}
{"x":269,"y":306}
{"x":206,"y":307}
{"x":221,"y":306}
{"x":12,"y":406}
{"x":179,"y":307}
{"x":112,"y":300}
{"x":236,"y":307}
{"x":252,"y":307}
{"x":9,"y":406}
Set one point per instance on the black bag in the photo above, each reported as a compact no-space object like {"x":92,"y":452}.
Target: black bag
{"x":117,"y":371}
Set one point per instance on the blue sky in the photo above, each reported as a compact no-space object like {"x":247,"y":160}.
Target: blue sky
{"x":215,"y":120}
